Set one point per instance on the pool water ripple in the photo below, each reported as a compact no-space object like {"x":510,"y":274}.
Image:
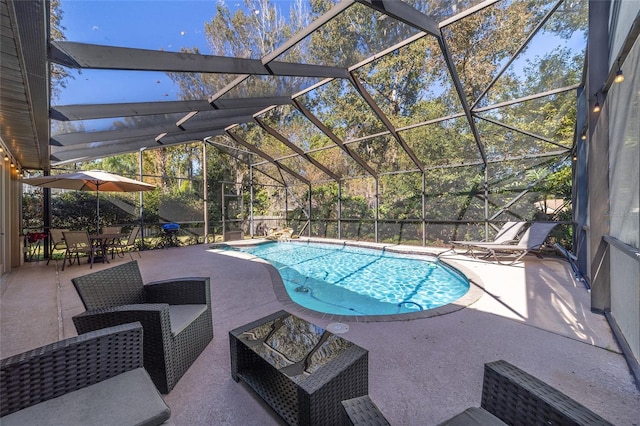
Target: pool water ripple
{"x":348,"y":280}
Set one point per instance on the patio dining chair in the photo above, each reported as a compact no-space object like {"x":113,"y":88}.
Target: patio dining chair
{"x":79,"y":242}
{"x":109,"y":243}
{"x":530,"y":242}
{"x":175,"y":315}
{"x":56,"y":241}
{"x":120,"y":245}
{"x":112,"y":229}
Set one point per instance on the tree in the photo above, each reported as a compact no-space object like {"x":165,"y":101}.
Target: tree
{"x":413,"y":87}
{"x":59,"y":74}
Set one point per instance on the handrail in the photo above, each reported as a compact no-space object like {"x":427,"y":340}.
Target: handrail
{"x":623,"y":247}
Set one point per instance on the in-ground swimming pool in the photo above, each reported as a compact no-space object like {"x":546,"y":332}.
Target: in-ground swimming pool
{"x":347,"y":280}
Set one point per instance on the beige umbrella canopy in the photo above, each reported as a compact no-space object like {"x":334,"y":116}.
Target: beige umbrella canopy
{"x":91,"y":180}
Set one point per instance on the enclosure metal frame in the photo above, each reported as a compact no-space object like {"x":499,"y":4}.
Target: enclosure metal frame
{"x":224,"y":115}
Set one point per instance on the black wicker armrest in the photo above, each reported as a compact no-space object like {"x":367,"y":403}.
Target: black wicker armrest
{"x":158,"y":339}
{"x":361,"y":411}
{"x":154,"y":318}
{"x":516,"y":397}
{"x":68,"y":365}
{"x":179,"y":291}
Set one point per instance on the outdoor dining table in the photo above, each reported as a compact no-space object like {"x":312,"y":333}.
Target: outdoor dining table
{"x":105,"y":241}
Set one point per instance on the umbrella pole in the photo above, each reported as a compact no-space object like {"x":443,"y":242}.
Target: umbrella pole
{"x":98,"y":209}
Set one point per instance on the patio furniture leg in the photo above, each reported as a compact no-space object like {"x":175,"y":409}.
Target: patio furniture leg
{"x":69,"y":257}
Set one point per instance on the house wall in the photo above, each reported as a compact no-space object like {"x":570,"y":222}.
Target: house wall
{"x":597,"y":163}
{"x":4,"y":200}
{"x":623,"y":15}
{"x":623,"y":102}
{"x":10,"y":203}
{"x":613,"y":176}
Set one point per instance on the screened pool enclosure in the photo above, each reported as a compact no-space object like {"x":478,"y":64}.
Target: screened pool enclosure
{"x":394,"y":121}
{"x":410,"y":122}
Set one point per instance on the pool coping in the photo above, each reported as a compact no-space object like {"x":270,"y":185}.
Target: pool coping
{"x":476,"y":286}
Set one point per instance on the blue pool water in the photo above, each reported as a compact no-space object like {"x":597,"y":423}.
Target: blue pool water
{"x":346,"y":280}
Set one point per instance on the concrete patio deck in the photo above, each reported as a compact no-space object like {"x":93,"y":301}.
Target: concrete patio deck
{"x":421,"y":372}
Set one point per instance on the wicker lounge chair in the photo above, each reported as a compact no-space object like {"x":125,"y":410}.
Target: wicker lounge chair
{"x":511,"y":396}
{"x":530,"y":242}
{"x":175,"y":315}
{"x":95,"y":378}
{"x":506,"y":235}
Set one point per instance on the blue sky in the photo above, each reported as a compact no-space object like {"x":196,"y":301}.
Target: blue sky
{"x":157,"y":25}
{"x":146,"y":24}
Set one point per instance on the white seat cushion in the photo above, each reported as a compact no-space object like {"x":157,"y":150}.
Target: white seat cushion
{"x":183,"y":315}
{"x":474,"y":416}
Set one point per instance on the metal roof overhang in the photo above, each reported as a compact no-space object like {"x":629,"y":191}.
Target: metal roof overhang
{"x":87,"y":152}
{"x":93,"y":56}
{"x":24,"y":81}
{"x":96,"y":111}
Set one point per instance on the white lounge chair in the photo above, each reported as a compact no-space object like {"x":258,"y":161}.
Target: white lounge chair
{"x":506,"y":235}
{"x":531,"y":241}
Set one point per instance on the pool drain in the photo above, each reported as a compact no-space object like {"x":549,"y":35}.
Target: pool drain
{"x":338,"y":327}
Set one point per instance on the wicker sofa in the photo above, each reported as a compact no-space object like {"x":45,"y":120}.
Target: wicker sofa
{"x":175,"y":315}
{"x":95,"y":378}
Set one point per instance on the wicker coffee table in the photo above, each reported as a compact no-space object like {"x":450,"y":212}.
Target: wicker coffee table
{"x":301,"y":370}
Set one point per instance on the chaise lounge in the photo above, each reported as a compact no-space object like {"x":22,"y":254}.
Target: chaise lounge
{"x":175,"y":315}
{"x":530,"y":242}
{"x":507,"y":234}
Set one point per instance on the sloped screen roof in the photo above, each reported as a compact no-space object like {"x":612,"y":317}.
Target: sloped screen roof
{"x":328,"y":90}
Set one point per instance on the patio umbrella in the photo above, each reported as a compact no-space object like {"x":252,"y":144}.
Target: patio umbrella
{"x":91,"y":180}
